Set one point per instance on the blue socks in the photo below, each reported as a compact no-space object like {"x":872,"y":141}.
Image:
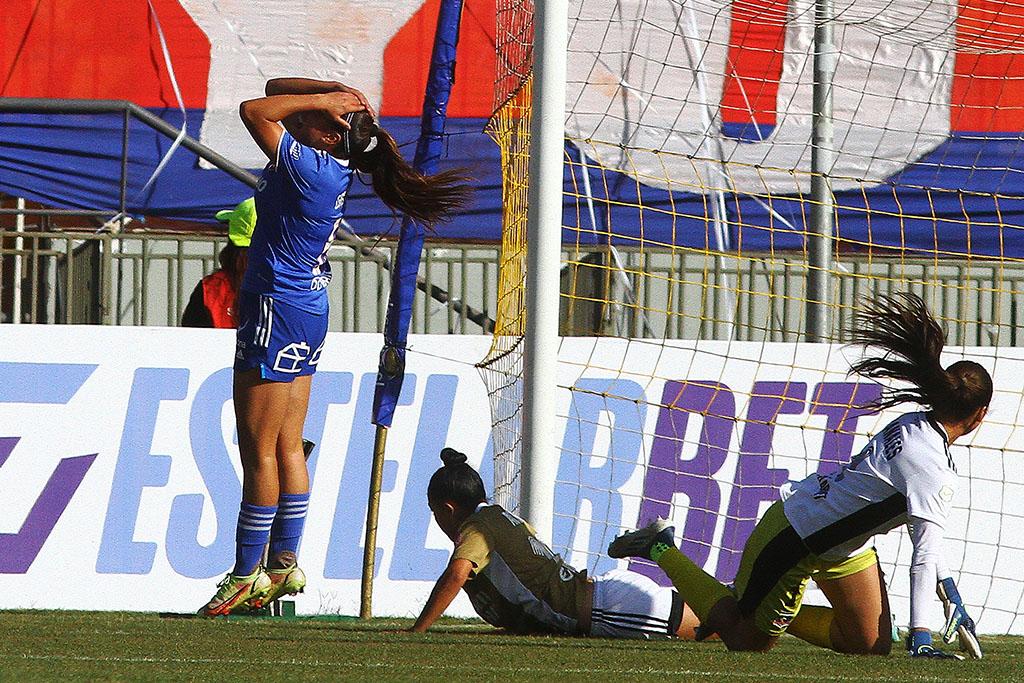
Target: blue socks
{"x":291,"y":518}
{"x":279,"y":524}
{"x":251,"y":534}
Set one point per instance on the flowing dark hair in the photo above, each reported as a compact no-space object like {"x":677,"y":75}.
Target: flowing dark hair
{"x":912,"y":341}
{"x":456,"y":482}
{"x":427,"y":199}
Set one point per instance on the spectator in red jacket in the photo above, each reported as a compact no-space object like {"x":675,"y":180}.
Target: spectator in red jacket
{"x":212,"y":303}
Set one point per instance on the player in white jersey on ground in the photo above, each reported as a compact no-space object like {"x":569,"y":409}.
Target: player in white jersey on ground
{"x":822,"y":528}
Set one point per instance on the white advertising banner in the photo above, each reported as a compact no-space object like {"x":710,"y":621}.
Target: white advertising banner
{"x":119,"y":474}
{"x":120,"y":478}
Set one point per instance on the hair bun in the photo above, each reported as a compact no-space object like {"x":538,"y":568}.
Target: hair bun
{"x":451,"y":457}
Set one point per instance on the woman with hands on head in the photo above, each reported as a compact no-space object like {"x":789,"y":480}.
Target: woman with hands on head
{"x":316,"y":134}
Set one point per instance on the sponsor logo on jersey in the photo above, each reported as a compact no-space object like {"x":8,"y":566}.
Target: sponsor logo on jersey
{"x":946,"y":493}
{"x":823,"y":487}
{"x":290,"y":358}
{"x":315,"y":358}
{"x":319,"y":282}
{"x":340,"y":202}
{"x":892,"y":441}
{"x":295,"y":150}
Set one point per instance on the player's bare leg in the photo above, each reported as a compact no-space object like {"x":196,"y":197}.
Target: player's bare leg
{"x":736,"y":631}
{"x":861,"y":621}
{"x":293,"y":475}
{"x":260,"y":409}
{"x":688,"y":625}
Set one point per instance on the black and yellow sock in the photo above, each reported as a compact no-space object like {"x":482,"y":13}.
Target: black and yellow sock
{"x":814,"y":625}
{"x":699,"y":590}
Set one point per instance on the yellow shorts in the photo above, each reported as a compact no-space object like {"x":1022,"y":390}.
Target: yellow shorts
{"x":774,"y":570}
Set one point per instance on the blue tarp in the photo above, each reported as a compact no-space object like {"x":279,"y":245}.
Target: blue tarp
{"x":74,"y":161}
{"x":966,"y":197}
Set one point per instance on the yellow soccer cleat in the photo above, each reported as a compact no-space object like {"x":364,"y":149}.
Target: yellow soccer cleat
{"x":239,"y":594}
{"x":285,"y":581}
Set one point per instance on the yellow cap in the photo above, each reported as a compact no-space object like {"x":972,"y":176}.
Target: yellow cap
{"x":241,"y":222}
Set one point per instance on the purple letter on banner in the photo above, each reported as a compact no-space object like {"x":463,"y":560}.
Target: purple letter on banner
{"x":754,"y":481}
{"x":667,"y":474}
{"x":840,"y":401}
{"x":19,"y":550}
{"x":49,"y":384}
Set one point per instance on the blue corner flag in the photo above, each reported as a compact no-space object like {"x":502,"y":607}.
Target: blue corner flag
{"x":391,"y":371}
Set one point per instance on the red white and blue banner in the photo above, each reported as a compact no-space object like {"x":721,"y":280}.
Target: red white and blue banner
{"x":927,"y":111}
{"x":217,"y":55}
{"x":119,"y":472}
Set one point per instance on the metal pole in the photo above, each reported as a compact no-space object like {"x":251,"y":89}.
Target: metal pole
{"x":819,"y":247}
{"x":544,"y":249}
{"x":719,"y":211}
{"x":405,"y":265}
{"x":372,"y":509}
{"x":123,"y":194}
{"x":19,"y":244}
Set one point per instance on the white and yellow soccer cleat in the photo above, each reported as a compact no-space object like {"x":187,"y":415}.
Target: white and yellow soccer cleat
{"x":237,"y":594}
{"x":285,"y":581}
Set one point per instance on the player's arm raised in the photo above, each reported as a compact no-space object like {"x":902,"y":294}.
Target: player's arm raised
{"x":445,"y":590}
{"x":312,"y":86}
{"x":262,"y":116}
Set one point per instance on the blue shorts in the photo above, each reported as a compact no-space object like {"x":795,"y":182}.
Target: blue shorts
{"x":283,"y":341}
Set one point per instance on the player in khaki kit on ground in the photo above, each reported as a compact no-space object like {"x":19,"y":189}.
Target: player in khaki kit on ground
{"x":822,"y":528}
{"x":516,"y":582}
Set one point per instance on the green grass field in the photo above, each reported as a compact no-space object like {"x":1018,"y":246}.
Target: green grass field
{"x":48,"y":645}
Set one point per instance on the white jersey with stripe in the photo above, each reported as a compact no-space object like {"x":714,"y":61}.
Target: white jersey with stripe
{"x":904,"y":471}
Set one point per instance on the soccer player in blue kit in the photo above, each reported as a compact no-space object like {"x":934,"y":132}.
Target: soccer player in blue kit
{"x":316,"y":134}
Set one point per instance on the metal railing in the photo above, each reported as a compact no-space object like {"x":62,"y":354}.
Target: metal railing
{"x":146,"y":279}
{"x":140,"y":278}
{"x":129,"y":111}
{"x":692,"y":295}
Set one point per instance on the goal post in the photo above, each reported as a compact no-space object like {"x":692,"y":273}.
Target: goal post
{"x":544,"y":252}
{"x":819,"y":248}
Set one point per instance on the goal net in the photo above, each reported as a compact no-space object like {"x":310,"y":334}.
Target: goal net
{"x":684,"y":384}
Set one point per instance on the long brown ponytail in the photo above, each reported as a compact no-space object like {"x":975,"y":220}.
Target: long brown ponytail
{"x":912,"y":341}
{"x":426,"y":199}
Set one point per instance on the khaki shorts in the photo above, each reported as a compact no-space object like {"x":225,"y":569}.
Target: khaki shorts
{"x":774,"y":570}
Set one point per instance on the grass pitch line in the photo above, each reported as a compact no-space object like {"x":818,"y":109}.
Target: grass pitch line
{"x":465,"y":668}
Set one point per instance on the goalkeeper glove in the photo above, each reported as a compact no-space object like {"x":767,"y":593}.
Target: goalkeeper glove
{"x":958,"y":622}
{"x":920,"y":645}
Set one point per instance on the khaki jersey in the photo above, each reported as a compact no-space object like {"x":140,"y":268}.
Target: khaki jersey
{"x":517,"y":582}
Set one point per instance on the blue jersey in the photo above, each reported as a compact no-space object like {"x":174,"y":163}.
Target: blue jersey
{"x":299,"y":204}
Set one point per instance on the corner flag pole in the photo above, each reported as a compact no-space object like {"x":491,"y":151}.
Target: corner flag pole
{"x":391,"y":371}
